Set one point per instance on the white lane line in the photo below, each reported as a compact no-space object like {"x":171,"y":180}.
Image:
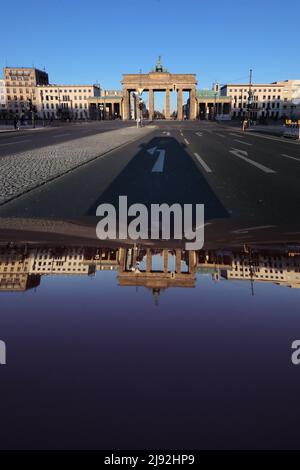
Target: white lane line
{"x":60,"y":135}
{"x":242,"y":142}
{"x":249,"y":229}
{"x":236,"y":135}
{"x":202,"y":163}
{"x":16,"y":142}
{"x":186,"y":141}
{"x":288,"y":156}
{"x":221,"y":135}
{"x":242,"y":155}
{"x":17,"y":136}
{"x":159,"y":164}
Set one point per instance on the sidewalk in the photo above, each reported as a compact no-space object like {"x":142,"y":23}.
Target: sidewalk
{"x":23,"y":171}
{"x":268,"y":129}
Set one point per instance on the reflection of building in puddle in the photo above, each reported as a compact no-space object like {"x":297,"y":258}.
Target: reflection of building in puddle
{"x":102,"y":259}
{"x":21,"y":266}
{"x":157,"y":269}
{"x":213,"y":262}
{"x":59,"y":261}
{"x":16,"y":270}
{"x":276,"y":268}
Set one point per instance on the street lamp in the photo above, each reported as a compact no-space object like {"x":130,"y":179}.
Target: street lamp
{"x":250,"y":97}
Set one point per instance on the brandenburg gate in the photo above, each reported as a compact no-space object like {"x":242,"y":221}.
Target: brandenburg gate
{"x":160,"y":80}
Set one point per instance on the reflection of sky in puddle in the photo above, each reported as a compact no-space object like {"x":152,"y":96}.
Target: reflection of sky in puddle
{"x":157,"y":263}
{"x":205,"y":367}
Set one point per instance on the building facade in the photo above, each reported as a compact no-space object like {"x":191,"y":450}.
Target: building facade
{"x":108,"y":104}
{"x":21,"y":88}
{"x":3,"y":104}
{"x":277,"y":100}
{"x":65,"y":101}
{"x":211,"y":104}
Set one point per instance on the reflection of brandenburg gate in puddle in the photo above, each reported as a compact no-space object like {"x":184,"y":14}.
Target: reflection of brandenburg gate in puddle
{"x":157,"y":269}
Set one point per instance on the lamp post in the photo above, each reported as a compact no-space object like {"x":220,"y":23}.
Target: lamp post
{"x":215,"y":105}
{"x":250,"y":97}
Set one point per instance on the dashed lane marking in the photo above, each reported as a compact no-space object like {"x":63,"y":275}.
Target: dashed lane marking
{"x":203,"y":163}
{"x":289,"y":156}
{"x":60,"y":135}
{"x":15,"y":142}
{"x":242,"y":142}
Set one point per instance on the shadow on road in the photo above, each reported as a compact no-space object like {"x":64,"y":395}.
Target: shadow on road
{"x":181,"y":181}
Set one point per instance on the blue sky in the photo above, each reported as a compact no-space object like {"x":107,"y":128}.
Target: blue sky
{"x":82,"y":41}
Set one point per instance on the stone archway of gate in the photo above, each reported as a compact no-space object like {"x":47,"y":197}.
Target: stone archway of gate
{"x":160,"y":81}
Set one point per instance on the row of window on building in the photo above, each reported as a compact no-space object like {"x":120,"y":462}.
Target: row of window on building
{"x":254,"y":90}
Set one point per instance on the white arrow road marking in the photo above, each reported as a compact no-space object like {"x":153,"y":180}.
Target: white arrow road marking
{"x":202,"y":163}
{"x":16,"y":142}
{"x":288,"y":156}
{"x":152,"y":150}
{"x":166,"y":133}
{"x":159,"y":164}
{"x":199,"y":134}
{"x":186,"y":141}
{"x":248,"y":229}
{"x":242,"y":142}
{"x":242,"y":154}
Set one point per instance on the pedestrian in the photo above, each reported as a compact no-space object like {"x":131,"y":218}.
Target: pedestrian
{"x":245,"y":124}
{"x":18,"y":124}
{"x":15,"y":123}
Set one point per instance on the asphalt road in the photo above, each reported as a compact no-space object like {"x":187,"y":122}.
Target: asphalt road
{"x":237,"y":176}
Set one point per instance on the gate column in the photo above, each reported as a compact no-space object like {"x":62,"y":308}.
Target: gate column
{"x":179,"y":104}
{"x":192,"y":104}
{"x":151,"y":104}
{"x":126,"y":105}
{"x":167,"y":103}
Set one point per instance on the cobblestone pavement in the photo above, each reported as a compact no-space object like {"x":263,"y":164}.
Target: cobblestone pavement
{"x":26,"y":170}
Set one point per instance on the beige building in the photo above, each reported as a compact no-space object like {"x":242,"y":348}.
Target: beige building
{"x":21,"y":87}
{"x":65,"y":101}
{"x":270,"y":100}
{"x":3,"y":100}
